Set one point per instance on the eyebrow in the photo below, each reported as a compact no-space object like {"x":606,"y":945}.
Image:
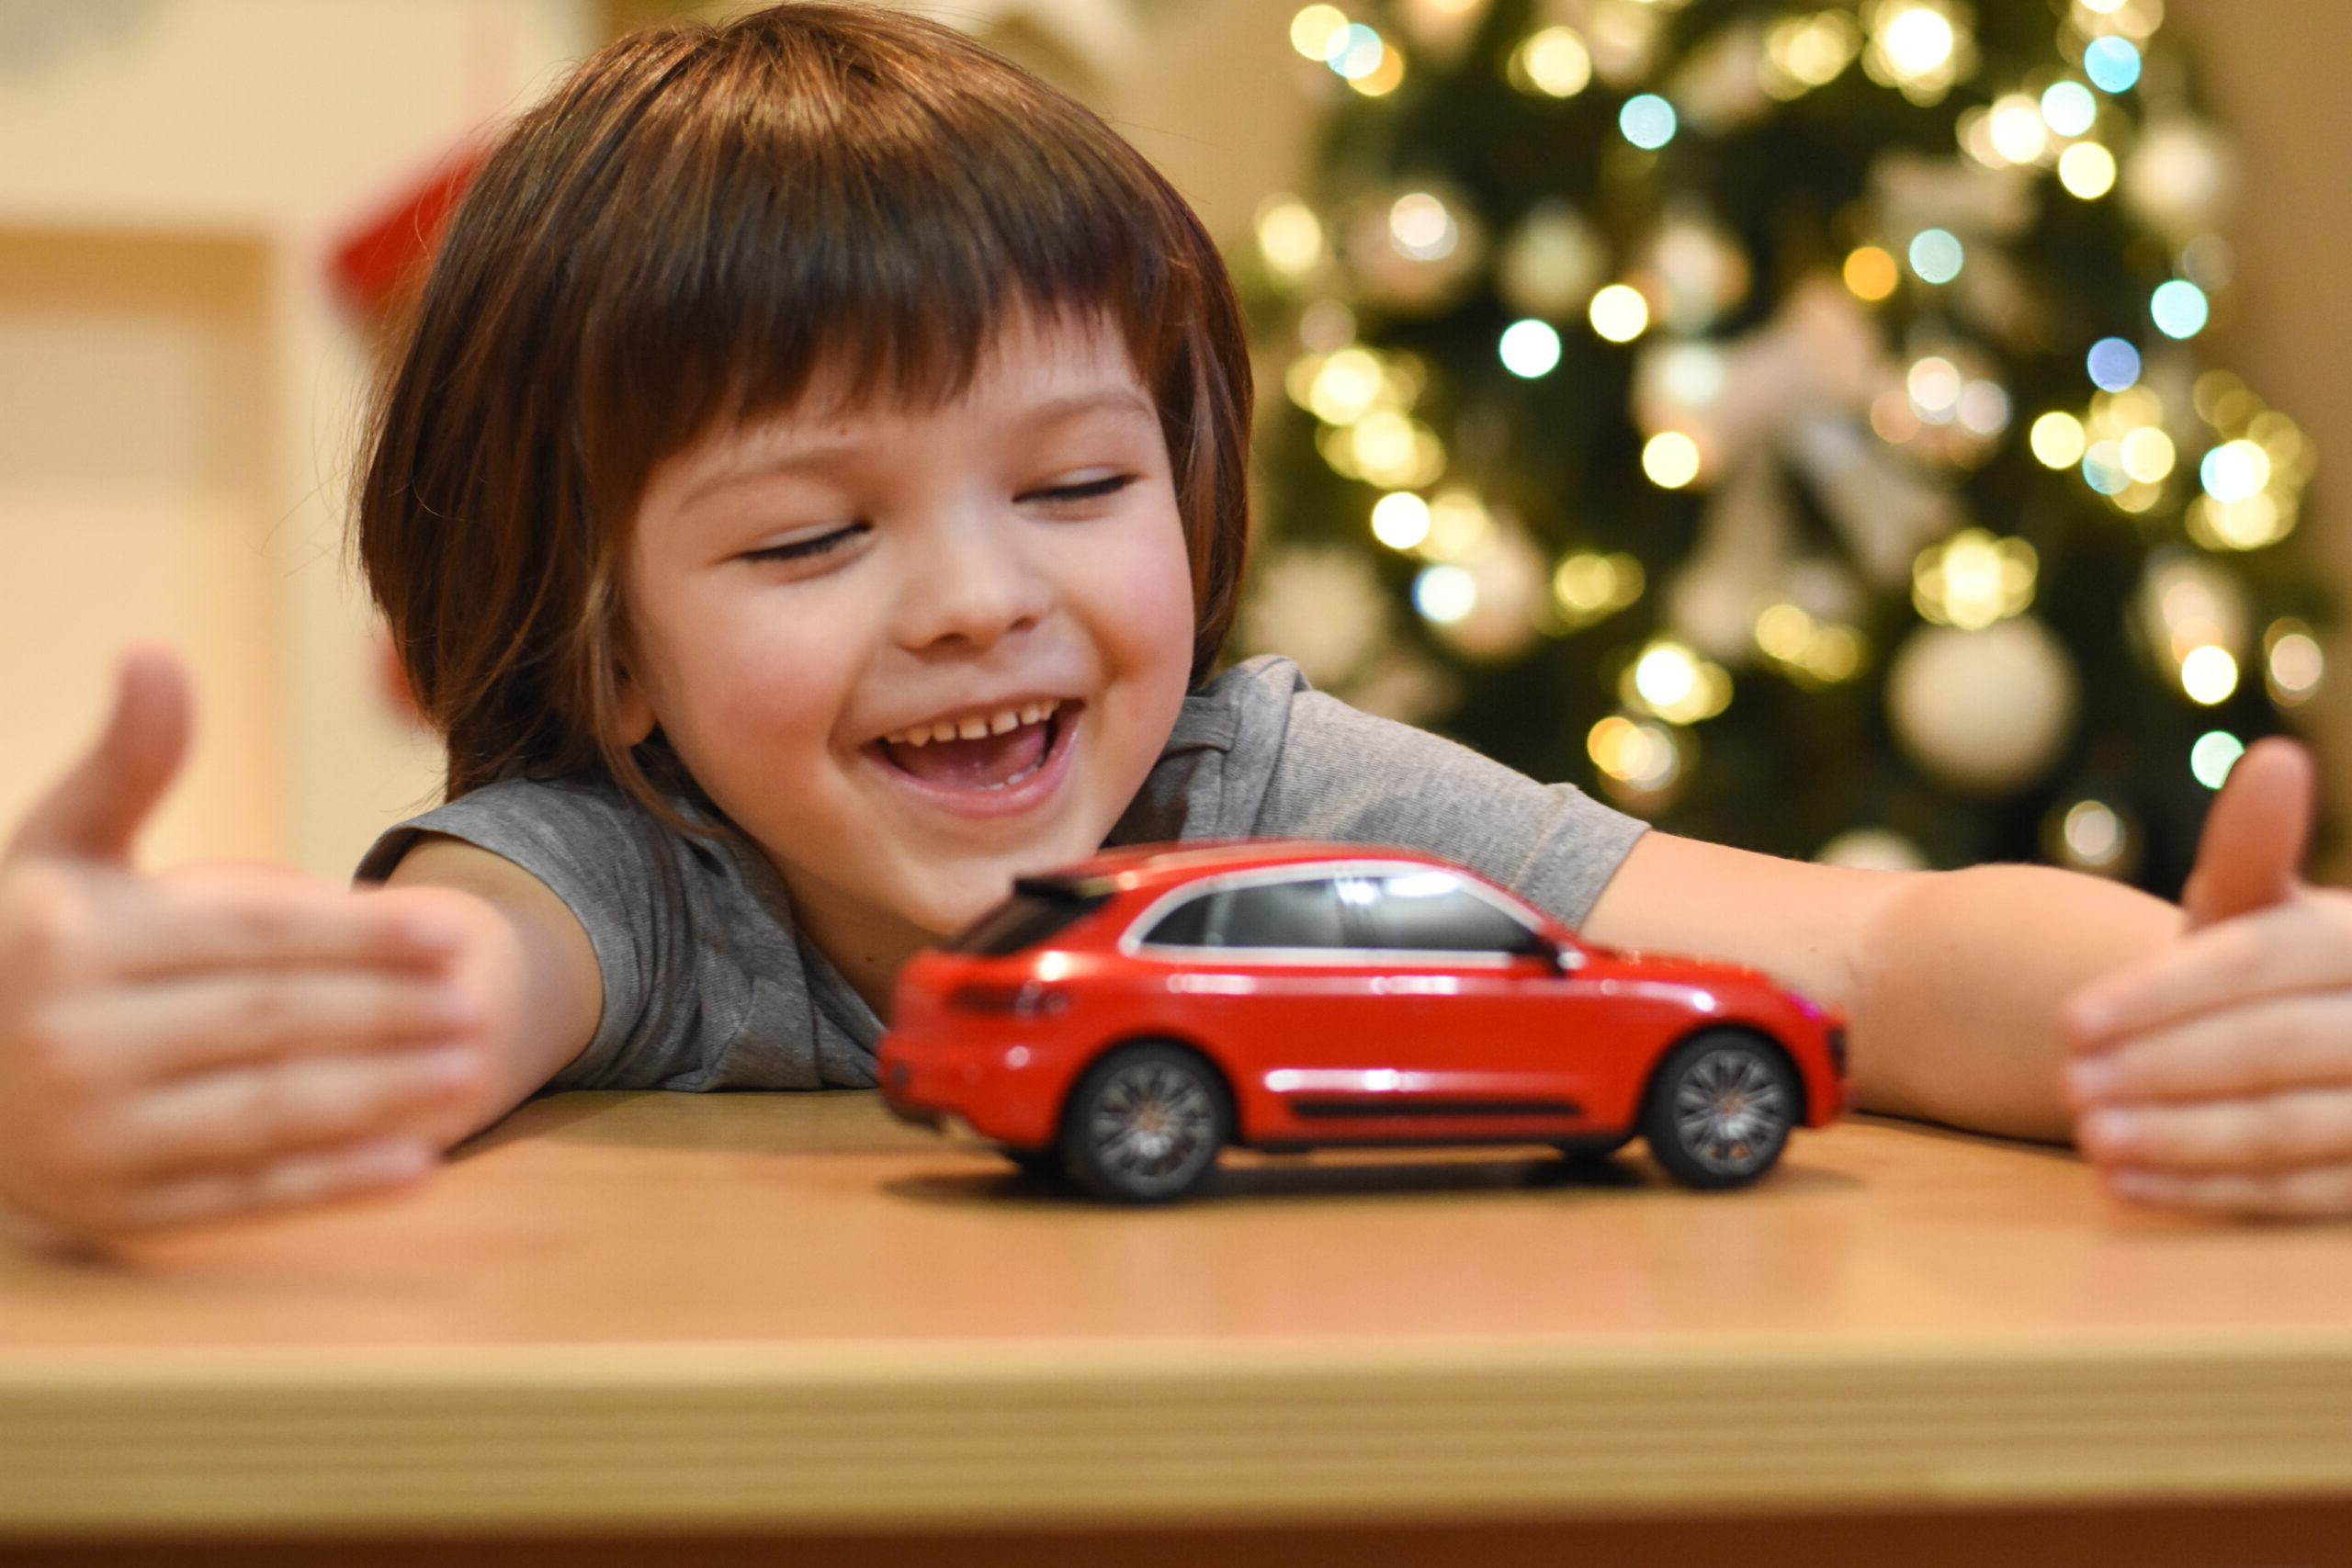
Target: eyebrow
{"x":1053,"y":411}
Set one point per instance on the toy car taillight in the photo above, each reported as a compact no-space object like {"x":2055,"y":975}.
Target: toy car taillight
{"x":1029,"y":998}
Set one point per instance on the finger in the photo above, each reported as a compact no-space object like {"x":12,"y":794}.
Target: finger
{"x":95,"y":810}
{"x":2303,"y":945}
{"x":250,"y":1116}
{"x":2299,"y":1127}
{"x":311,"y":1177}
{"x":125,"y":1035}
{"x":2304,"y":1042}
{"x":2255,"y":835}
{"x":231,"y":920}
{"x":2311,"y":1193}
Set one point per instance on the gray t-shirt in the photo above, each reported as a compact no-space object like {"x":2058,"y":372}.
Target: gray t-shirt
{"x":710,"y":983}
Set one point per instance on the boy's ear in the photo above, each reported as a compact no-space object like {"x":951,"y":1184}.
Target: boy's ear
{"x":633,"y":709}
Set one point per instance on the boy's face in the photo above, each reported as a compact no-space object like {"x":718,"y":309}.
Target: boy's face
{"x":810,"y":593}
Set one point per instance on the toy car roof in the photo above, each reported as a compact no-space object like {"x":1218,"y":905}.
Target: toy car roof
{"x":1155,"y":865}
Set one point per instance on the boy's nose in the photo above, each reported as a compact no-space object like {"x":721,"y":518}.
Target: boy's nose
{"x":968,"y":582}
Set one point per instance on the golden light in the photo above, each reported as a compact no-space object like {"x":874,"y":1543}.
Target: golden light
{"x":2093,"y":836}
{"x":1871,"y":274}
{"x":1972,"y":579}
{"x":2209,"y":675}
{"x":1385,"y":78}
{"x":1586,"y":587}
{"x":2087,"y":169}
{"x":2253,"y":524}
{"x":1675,"y":683}
{"x":1346,"y":387}
{"x":1789,"y":637}
{"x":1395,"y":452}
{"x":1671,"y":459}
{"x":1805,"y":52}
{"x":1620,"y":313}
{"x":2017,"y":129}
{"x":2235,"y":470}
{"x":1554,"y":63}
{"x":1460,"y":527}
{"x":1920,"y":46}
{"x":1400,"y":520}
{"x":1642,"y":756}
{"x":1289,"y":237}
{"x":2147,"y":453}
{"x":1311,"y":32}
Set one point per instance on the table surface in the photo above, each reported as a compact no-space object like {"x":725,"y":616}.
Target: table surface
{"x":652,"y":1310}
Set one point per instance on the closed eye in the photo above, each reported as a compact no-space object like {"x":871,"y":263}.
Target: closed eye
{"x":808,"y":549}
{"x":1092,"y":489}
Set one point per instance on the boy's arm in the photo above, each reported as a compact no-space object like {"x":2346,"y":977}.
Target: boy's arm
{"x":555,"y":992}
{"x":2205,"y":1052}
{"x":1952,"y":982}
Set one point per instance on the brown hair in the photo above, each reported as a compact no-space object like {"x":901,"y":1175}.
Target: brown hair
{"x":693,"y":224}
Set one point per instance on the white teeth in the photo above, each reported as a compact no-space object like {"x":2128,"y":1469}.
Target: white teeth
{"x":974,"y":727}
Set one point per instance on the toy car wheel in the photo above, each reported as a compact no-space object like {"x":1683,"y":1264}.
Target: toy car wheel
{"x":1720,"y":1110}
{"x":1145,"y":1123}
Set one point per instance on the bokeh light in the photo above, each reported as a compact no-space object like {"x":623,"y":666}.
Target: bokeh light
{"x":2234,"y":470}
{"x":2087,"y":169}
{"x":1289,"y":237}
{"x":1871,"y":274}
{"x":1312,"y":29}
{"x":2113,"y":363}
{"x":2292,"y":662}
{"x":1420,"y":226}
{"x":1400,"y":520}
{"x":2112,"y":64}
{"x":2018,"y":132}
{"x":1354,"y":50}
{"x":1936,"y":255}
{"x":1445,"y":595}
{"x":2057,"y":440}
{"x":2103,"y":467}
{"x":1671,"y":459}
{"x":2094,"y":837}
{"x":2147,"y":453}
{"x":1530,"y":348}
{"x":1554,"y":63}
{"x":1972,"y":579}
{"x":1620,"y":313}
{"x":1672,"y":682}
{"x":1642,"y":756}
{"x":2215,"y":753}
{"x":1588,"y":586}
{"x":2208,"y":674}
{"x":2180,"y":309}
{"x":1647,"y":121}
{"x":2068,"y":109}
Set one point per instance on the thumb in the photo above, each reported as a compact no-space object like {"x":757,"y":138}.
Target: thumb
{"x":2255,"y":835}
{"x":95,"y":810}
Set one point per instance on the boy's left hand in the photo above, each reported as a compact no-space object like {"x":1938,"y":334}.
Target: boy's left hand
{"x":2217,"y":1073}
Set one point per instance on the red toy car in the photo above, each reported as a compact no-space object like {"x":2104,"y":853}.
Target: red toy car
{"x":1127,"y":1018}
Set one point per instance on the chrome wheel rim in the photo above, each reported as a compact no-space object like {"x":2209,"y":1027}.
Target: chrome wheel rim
{"x":1153,"y":1126}
{"x":1731,"y":1112}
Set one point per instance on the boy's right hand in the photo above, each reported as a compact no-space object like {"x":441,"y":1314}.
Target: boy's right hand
{"x":220,"y":1039}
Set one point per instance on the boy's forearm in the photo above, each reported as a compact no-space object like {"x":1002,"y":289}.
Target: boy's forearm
{"x":1958,"y":984}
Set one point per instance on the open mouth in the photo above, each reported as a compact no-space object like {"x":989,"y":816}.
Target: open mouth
{"x":981,"y":751}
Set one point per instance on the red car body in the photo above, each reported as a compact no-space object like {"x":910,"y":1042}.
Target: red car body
{"x":1343,"y":1026}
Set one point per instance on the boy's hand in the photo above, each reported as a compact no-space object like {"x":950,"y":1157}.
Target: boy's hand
{"x":220,"y":1039}
{"x":2217,"y":1074}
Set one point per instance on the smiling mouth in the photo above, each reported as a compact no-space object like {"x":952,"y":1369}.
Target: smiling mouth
{"x":981,"y":752}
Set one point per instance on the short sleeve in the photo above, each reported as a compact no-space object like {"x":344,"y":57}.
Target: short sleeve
{"x":705,"y":981}
{"x":1264,"y":755}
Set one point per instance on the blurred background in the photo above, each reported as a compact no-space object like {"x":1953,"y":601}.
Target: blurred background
{"x":1902,"y":433}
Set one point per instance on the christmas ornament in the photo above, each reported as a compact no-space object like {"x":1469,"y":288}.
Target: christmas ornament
{"x":1984,"y":712}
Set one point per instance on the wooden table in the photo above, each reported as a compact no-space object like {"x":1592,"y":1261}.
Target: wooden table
{"x":728,"y":1317}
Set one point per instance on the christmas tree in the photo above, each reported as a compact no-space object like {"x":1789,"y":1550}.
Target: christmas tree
{"x":1791,"y":423}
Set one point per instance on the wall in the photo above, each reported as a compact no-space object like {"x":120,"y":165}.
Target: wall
{"x":178,"y":392}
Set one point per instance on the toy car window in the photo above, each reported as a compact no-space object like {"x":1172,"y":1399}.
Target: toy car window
{"x":1185,"y":926}
{"x":1433,"y":911}
{"x":1280,"y":914}
{"x":1028,"y":917}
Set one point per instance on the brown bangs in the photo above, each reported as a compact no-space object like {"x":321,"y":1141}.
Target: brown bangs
{"x":693,"y":227}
